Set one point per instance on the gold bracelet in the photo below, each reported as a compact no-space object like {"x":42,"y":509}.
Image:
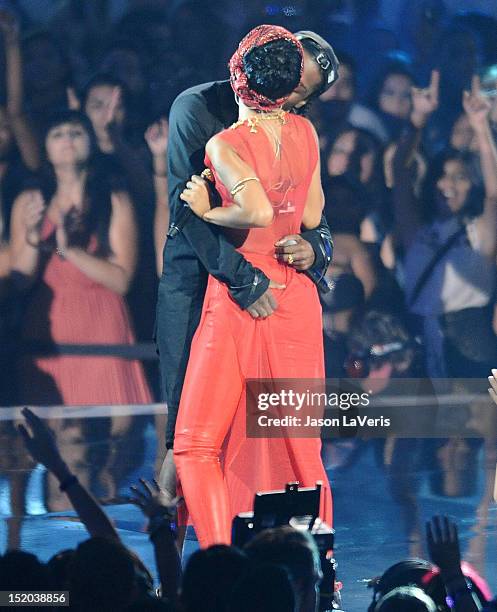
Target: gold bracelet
{"x":238,"y":186}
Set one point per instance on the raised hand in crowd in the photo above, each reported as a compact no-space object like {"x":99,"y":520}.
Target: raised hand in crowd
{"x":17,"y":121}
{"x":492,"y":391}
{"x":73,"y":101}
{"x":156,"y":138}
{"x":112,"y":108}
{"x":443,"y":545}
{"x":154,"y":501}
{"x":33,"y":212}
{"x":41,"y":445}
{"x":477,"y":108}
{"x":157,"y":505}
{"x":444,"y":551}
{"x":425,"y":100}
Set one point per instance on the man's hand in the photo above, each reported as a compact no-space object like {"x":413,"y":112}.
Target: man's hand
{"x":476,"y":106}
{"x":40,"y":443}
{"x":298,"y":254}
{"x":493,"y":386}
{"x":156,"y":138}
{"x":110,"y":111}
{"x":265,"y":305}
{"x":425,"y":101}
{"x":153,"y":500}
{"x":443,"y":545}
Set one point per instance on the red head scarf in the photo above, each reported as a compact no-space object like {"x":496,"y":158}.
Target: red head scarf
{"x":258,"y":37}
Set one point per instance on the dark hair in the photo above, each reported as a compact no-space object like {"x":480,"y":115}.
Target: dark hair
{"x":98,"y":205}
{"x":273,"y":69}
{"x":380,"y":328}
{"x":474,"y":202}
{"x":209,"y":577}
{"x":347,"y":60}
{"x":365,"y":143}
{"x":286,"y":546}
{"x":23,"y":571}
{"x":407,"y":599}
{"x":393,"y":68}
{"x":104,"y":80}
{"x":266,"y":587}
{"x":103,"y":575}
{"x":414,"y":572}
{"x":59,"y":566}
{"x":41,"y":35}
{"x":345,"y":207}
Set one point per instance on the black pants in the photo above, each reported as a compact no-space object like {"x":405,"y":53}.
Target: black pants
{"x":179,"y":306}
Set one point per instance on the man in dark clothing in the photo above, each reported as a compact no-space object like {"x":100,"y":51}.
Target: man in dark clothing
{"x":197,"y":249}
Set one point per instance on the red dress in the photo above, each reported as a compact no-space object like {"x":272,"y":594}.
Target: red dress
{"x":219,"y":468}
{"x":67,"y":307}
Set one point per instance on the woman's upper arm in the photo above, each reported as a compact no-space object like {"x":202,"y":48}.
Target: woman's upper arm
{"x":17,"y":223}
{"x":227,"y":163}
{"x":231,"y":168}
{"x":123,"y":233}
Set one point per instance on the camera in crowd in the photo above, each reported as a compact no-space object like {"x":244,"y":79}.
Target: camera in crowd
{"x":298,"y":507}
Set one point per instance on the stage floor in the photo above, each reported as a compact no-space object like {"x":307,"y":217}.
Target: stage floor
{"x":384,"y":491}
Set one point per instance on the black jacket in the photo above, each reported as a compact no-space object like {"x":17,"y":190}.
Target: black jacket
{"x":200,"y":248}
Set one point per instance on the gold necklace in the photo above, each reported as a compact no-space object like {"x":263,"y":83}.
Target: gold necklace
{"x":253,"y":121}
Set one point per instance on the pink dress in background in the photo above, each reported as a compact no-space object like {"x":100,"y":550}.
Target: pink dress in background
{"x":67,"y":307}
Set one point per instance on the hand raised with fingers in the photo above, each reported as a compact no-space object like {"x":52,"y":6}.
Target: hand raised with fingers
{"x":72,"y":99}
{"x":40,"y":441}
{"x":153,"y":500}
{"x":492,"y":379}
{"x":425,"y":100}
{"x":476,"y":106}
{"x":443,"y":545}
{"x":115,"y":98}
{"x":34,"y":209}
{"x":156,"y":137}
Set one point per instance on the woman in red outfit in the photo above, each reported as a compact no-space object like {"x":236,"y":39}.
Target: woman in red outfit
{"x":267,"y":171}
{"x":74,"y":239}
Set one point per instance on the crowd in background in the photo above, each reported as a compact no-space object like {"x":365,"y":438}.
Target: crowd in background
{"x":408,"y":167}
{"x":278,"y":569}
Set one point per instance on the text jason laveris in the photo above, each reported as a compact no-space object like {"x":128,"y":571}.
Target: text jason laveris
{"x":343,"y":420}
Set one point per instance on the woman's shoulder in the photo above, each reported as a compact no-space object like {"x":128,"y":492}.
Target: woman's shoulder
{"x":221,"y":143}
{"x":27,"y":195}
{"x":302,"y":122}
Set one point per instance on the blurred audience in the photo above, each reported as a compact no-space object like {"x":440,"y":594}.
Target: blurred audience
{"x":73,"y":241}
{"x":386,"y":163}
